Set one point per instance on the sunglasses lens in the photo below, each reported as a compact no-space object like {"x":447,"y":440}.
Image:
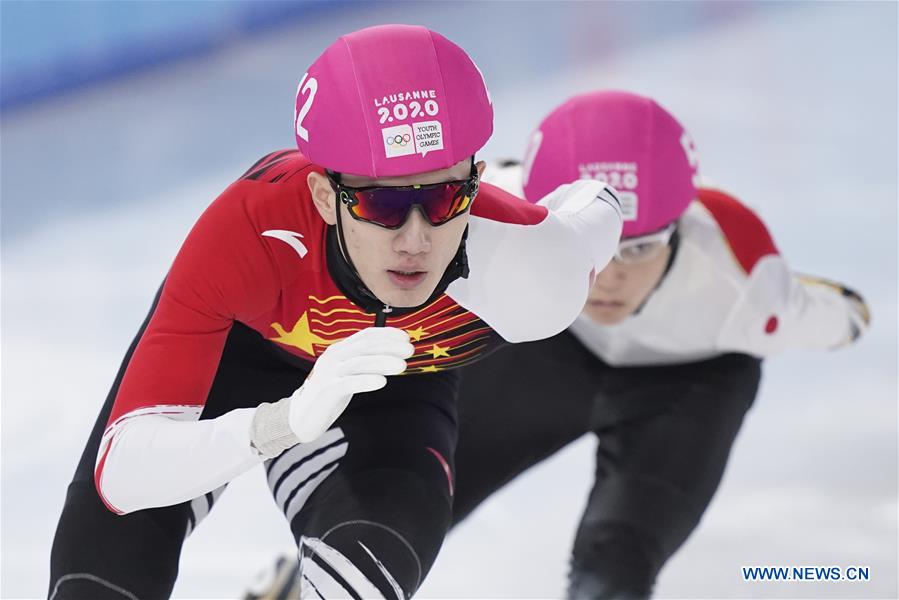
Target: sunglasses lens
{"x":384,"y":206}
{"x":389,"y":207}
{"x":443,"y":203}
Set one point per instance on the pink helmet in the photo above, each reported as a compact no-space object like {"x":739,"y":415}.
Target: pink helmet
{"x":392,"y":100}
{"x":627,"y":140}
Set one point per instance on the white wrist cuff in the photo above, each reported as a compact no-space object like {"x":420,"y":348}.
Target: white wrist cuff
{"x":270,"y":432}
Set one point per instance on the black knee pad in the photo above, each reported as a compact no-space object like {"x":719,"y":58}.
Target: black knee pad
{"x":613,"y":560}
{"x":364,"y":555}
{"x":382,"y":520}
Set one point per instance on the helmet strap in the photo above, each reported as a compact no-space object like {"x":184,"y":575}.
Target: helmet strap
{"x":344,"y":274}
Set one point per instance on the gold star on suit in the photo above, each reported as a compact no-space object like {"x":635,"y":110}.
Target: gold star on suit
{"x":299,"y":337}
{"x":436,"y":351}
{"x":417,"y":333}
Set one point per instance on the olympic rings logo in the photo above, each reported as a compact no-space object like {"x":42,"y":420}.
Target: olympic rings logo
{"x":399,"y":140}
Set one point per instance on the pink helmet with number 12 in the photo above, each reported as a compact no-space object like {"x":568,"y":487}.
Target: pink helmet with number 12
{"x":392,"y":100}
{"x":625,"y":139}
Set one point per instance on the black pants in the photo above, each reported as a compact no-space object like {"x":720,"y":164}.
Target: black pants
{"x":664,"y":437}
{"x":375,"y":489}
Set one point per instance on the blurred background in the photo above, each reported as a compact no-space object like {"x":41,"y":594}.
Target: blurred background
{"x":122,"y":121}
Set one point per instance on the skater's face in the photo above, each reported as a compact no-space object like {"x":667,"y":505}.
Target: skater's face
{"x":622,"y":287}
{"x":402,"y":266}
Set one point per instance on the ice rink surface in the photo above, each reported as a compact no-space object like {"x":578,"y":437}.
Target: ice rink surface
{"x":794,"y":110}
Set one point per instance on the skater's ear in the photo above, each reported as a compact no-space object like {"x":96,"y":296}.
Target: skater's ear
{"x":323,"y":196}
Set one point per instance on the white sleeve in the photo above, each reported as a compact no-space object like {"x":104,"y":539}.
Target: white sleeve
{"x":779,"y":310}
{"x":151,"y":460}
{"x":530,"y":282}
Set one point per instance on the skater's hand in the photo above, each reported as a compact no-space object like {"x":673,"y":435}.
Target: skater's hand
{"x":859,"y":314}
{"x":578,"y":195}
{"x":592,"y":211}
{"x":359,"y":363}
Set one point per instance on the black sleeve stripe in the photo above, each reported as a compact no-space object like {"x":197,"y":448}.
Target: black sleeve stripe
{"x":299,"y":463}
{"x":314,"y":589}
{"x":256,"y":172}
{"x":257,"y":163}
{"x":312,"y":476}
{"x":338,"y":579}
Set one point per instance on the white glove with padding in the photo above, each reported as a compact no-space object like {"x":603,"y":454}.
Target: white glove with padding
{"x":359,"y":363}
{"x":584,"y":204}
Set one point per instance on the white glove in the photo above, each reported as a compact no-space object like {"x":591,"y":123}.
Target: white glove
{"x":859,"y":314}
{"x":579,"y":194}
{"x":592,"y":210}
{"x":359,"y":363}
